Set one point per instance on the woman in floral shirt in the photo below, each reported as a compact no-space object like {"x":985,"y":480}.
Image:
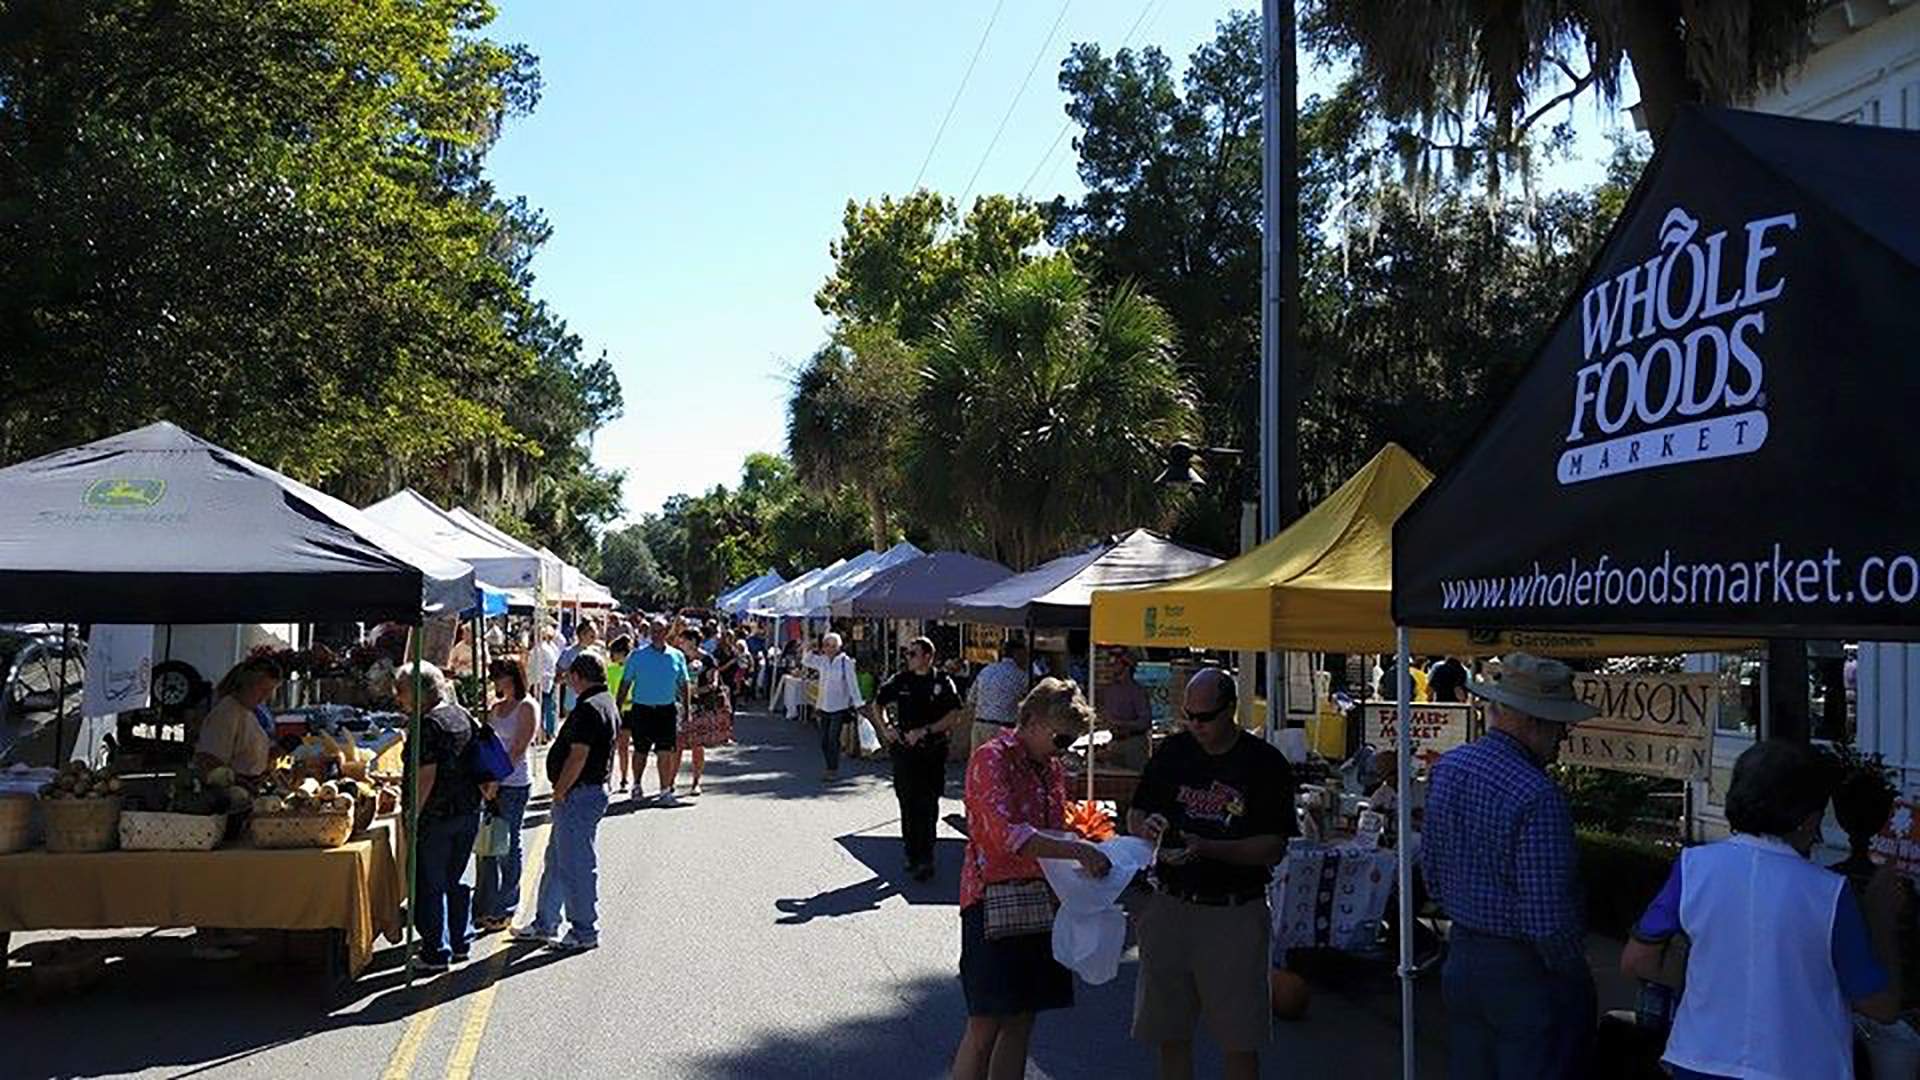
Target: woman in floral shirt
{"x":1016,"y":788}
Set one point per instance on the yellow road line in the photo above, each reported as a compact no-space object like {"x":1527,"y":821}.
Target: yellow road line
{"x":400,"y":1065}
{"x":467,"y":1050}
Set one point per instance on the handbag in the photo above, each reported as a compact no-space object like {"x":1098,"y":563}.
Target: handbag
{"x":487,"y":757}
{"x":1018,"y":908}
{"x":495,"y":837}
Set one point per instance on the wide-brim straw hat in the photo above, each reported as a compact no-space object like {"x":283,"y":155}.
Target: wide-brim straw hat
{"x":1538,"y":687}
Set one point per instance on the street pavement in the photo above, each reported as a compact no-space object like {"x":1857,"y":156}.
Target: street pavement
{"x":764,"y":930}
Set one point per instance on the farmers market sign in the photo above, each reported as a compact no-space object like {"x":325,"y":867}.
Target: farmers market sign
{"x":1654,"y":725}
{"x":1436,"y":729}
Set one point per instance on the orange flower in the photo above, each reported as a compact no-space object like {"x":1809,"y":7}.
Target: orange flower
{"x":1089,"y":821}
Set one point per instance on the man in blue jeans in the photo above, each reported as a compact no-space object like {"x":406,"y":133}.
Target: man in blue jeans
{"x":1499,"y":854}
{"x":449,"y":805}
{"x":577,"y":765}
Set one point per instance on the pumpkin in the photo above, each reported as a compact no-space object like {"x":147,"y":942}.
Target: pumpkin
{"x":1288,"y":994}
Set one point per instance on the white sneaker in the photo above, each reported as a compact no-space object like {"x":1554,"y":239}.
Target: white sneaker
{"x":534,"y":933}
{"x":666,"y":798}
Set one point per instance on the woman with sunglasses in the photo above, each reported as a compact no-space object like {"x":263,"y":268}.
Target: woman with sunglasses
{"x":1016,"y":787}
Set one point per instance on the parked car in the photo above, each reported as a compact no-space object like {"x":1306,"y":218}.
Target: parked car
{"x":41,"y":675}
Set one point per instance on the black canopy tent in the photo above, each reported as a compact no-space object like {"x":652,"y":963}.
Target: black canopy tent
{"x":1710,"y":441}
{"x":159,"y":526}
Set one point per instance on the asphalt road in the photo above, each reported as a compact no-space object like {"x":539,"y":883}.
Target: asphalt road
{"x":765,"y":930}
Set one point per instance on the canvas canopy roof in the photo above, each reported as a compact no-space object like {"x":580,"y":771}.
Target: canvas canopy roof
{"x":157,"y":525}
{"x":734,"y":599}
{"x":1715,"y":437}
{"x":921,"y":588}
{"x":414,"y":516}
{"x":822,"y":595}
{"x":1324,"y":584}
{"x":790,"y":599}
{"x":1058,"y":593}
{"x":550,"y":564}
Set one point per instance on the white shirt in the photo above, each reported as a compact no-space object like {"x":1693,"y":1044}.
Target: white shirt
{"x":996,"y":692}
{"x":839,"y":685}
{"x":1762,"y":999}
{"x":543,"y":659}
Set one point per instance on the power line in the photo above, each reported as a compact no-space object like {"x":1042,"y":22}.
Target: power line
{"x":1067,"y":124}
{"x":1031,"y":68}
{"x":942,"y":130}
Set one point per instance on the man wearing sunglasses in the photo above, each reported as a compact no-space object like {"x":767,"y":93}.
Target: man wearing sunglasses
{"x":1218,"y":804}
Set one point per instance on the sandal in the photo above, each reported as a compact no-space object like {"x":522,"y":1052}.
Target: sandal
{"x":694,"y":791}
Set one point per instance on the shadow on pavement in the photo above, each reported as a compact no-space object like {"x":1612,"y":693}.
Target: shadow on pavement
{"x":161,"y":1009}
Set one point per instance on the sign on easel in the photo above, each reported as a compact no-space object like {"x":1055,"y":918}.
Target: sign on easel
{"x":1436,"y":728}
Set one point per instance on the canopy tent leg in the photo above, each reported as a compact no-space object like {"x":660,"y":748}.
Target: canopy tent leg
{"x":1093,"y":707}
{"x":412,"y":791}
{"x":1403,"y":818}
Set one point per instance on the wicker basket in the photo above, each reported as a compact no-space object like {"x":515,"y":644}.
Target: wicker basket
{"x":75,"y":825}
{"x":301,"y":830}
{"x":16,"y":823}
{"x":142,"y":830}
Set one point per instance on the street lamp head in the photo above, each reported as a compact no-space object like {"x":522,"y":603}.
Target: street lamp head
{"x":1181,"y":468}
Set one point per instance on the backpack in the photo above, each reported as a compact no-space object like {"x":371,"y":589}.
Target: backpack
{"x":487,"y":760}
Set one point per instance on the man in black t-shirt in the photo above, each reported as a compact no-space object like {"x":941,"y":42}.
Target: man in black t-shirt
{"x":1218,"y":803}
{"x":577,"y":765}
{"x":926,"y":707}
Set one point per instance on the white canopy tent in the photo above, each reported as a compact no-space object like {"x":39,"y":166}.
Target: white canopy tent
{"x":748,"y":589}
{"x":415,"y":517}
{"x":550,"y":564}
{"x":812,"y":599}
{"x":823,"y":595}
{"x":790,"y":599}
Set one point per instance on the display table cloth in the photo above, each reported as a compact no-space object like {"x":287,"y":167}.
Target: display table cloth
{"x":1331,"y":896}
{"x":356,"y":888}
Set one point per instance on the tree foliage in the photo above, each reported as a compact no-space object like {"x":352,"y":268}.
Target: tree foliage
{"x":848,"y":413}
{"x":269,"y":222}
{"x":1045,"y":408}
{"x":1467,"y":62}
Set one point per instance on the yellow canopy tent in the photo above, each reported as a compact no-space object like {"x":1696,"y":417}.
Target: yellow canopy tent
{"x":1326,"y":584}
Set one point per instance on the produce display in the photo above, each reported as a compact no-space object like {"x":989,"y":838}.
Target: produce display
{"x":78,"y":780}
{"x":306,"y":796}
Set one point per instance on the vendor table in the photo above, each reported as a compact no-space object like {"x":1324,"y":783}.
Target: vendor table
{"x":355,"y":888}
{"x":1331,"y":896}
{"x":794,"y":693}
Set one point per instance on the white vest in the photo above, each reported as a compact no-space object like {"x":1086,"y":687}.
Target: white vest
{"x":1762,"y":998}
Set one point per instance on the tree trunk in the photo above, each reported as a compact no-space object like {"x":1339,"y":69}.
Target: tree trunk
{"x":1657,"y":49}
{"x":877,"y":518}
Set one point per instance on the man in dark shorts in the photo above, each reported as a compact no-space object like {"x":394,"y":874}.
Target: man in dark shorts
{"x":655,"y":688}
{"x":926,"y":708}
{"x":1218,"y":802}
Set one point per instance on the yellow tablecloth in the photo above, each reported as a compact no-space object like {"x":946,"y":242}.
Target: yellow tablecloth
{"x":356,"y":888}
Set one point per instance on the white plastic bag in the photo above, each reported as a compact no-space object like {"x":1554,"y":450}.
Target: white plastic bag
{"x":869,"y":738}
{"x":1090,"y":929}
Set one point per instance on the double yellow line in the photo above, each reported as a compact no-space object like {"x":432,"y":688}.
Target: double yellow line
{"x":406,"y":1053}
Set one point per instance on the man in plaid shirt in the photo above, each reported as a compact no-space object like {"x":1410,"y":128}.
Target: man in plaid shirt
{"x":1499,"y":855}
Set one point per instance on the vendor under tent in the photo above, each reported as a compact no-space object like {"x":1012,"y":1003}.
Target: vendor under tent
{"x":1060,"y":592}
{"x":549,"y":580}
{"x":823,"y":595}
{"x":157,"y":526}
{"x":921,"y":588}
{"x":414,"y":516}
{"x":1711,"y":440}
{"x":1325,"y":584}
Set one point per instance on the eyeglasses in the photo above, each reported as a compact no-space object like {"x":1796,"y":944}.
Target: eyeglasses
{"x":1210,"y":717}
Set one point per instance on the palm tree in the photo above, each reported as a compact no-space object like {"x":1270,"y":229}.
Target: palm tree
{"x":846,"y":415}
{"x":1043,"y":412}
{"x":1437,"y":57}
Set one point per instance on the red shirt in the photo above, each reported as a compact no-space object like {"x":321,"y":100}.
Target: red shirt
{"x":1009,"y":796}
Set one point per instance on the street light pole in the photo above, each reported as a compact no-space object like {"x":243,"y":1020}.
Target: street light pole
{"x":1279,"y":308}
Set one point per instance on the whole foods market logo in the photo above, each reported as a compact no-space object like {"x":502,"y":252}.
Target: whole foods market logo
{"x":125,"y":494}
{"x":1673,"y":346}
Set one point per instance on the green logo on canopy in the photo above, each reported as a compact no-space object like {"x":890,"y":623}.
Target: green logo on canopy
{"x":125,"y":494}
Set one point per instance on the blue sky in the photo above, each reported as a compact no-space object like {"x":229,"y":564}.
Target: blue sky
{"x":694,"y":160}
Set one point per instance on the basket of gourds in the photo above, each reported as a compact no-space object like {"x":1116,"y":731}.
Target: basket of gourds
{"x":82,"y":810}
{"x":307,"y":815}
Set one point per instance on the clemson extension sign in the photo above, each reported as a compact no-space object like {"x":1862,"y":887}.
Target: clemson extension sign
{"x":1654,"y":725}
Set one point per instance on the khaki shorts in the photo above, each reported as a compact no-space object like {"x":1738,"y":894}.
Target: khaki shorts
{"x":984,"y":731}
{"x":1204,"y":964}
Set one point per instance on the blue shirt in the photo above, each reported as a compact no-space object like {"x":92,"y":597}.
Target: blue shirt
{"x":1498,"y":848}
{"x":655,"y":676}
{"x":1861,"y":976}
